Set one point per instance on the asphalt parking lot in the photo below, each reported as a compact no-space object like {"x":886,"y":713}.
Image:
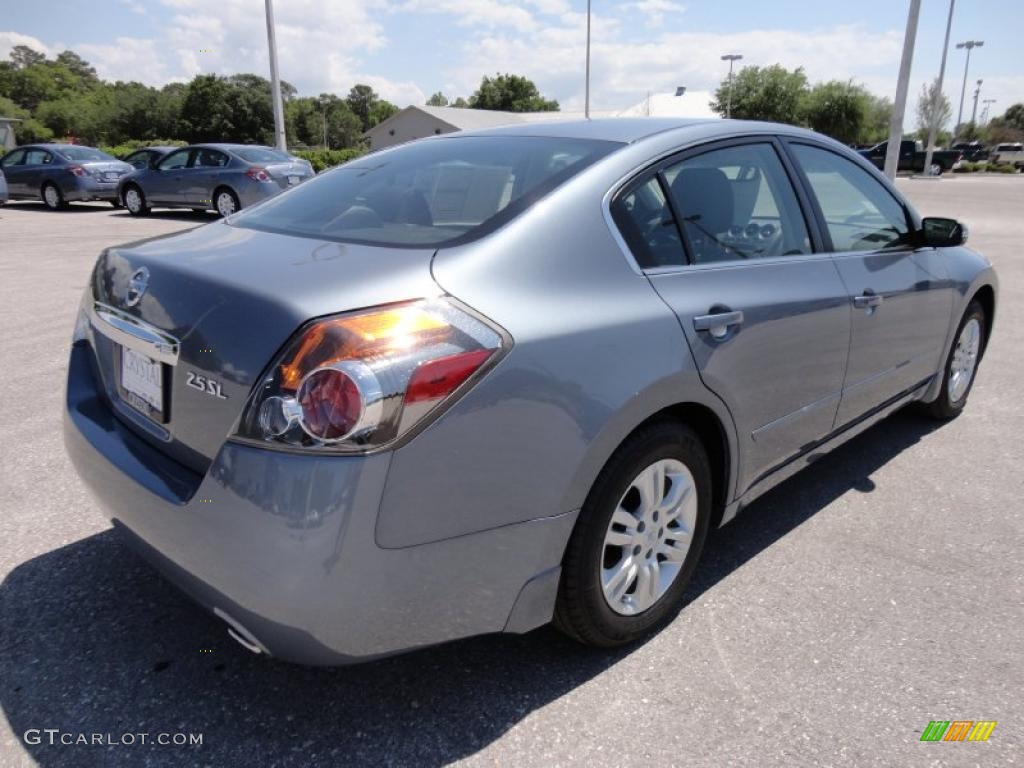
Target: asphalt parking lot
{"x":827,"y":625}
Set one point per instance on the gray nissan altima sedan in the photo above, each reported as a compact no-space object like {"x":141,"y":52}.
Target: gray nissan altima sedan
{"x":484,"y":381}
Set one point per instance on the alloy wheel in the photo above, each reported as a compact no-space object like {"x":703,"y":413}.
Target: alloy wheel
{"x":225,"y":204}
{"x":648,"y":537}
{"x":965,"y":359}
{"x":132,"y":200}
{"x":51,"y":196}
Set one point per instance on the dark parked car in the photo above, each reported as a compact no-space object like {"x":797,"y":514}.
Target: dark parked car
{"x":61,"y":173}
{"x":912,"y":157}
{"x":477,"y":382}
{"x":973,"y":151}
{"x":147,"y":156}
{"x":224,"y":177}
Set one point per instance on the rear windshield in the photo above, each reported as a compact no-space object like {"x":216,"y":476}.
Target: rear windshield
{"x":1009,"y":148}
{"x":261,"y":154}
{"x":427,"y":193}
{"x":83,"y":154}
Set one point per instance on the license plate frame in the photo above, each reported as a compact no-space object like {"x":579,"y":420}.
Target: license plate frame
{"x":293,"y":180}
{"x":143,"y":384}
{"x":111,"y":176}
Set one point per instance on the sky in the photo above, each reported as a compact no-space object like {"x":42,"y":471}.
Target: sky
{"x":408,"y":49}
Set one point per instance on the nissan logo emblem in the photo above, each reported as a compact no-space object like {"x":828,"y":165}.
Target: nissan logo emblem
{"x":137,"y":286}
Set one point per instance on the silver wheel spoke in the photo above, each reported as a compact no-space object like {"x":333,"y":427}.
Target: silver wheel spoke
{"x":648,"y":541}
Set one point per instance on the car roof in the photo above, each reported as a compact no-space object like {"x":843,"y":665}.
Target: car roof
{"x":154,"y":149}
{"x":229,"y":146}
{"x":628,"y":130}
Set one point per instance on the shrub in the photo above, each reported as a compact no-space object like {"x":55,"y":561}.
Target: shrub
{"x":327,"y":158}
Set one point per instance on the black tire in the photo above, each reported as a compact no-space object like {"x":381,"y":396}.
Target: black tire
{"x":581,"y":610}
{"x":945,"y":407}
{"x":225,"y":191}
{"x":116,"y":203}
{"x":52,"y":197}
{"x":139,"y":210}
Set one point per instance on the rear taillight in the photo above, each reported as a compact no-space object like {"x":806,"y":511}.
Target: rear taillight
{"x":78,"y":171}
{"x":360,"y":381}
{"x":258,"y":174}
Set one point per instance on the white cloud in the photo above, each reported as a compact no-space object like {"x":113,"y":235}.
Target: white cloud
{"x":655,"y":10}
{"x":8,"y":40}
{"x":477,"y":13}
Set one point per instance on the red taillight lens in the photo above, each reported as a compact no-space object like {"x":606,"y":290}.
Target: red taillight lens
{"x":258,"y":174}
{"x":78,"y":170}
{"x":359,"y":381}
{"x":331,"y":404}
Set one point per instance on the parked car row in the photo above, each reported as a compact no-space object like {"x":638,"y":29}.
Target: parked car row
{"x":222,"y":177}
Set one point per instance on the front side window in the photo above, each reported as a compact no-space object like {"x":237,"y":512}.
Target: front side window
{"x":175,"y":160}
{"x":427,"y":193}
{"x":645,"y":220}
{"x":139,"y":159}
{"x":737,"y":203}
{"x":16,"y":157}
{"x":860,"y":214}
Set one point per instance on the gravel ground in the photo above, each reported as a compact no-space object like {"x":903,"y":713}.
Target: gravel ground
{"x":827,"y":626}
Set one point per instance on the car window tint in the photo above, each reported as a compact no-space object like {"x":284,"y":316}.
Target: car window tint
{"x":426,"y":193}
{"x":83,"y":154}
{"x":139,"y":159}
{"x":37,"y":157}
{"x":645,"y":220}
{"x":737,"y":203}
{"x":860,"y":213}
{"x":209,"y":158}
{"x":15,"y":158}
{"x":175,"y":160}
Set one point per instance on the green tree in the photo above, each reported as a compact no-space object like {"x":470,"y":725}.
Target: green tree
{"x":29,"y":129}
{"x":763,"y":93}
{"x":510,"y":93}
{"x":876,"y":120}
{"x":933,"y":109}
{"x":78,"y":65}
{"x":460,"y":103}
{"x":22,"y":56}
{"x":437,"y":100}
{"x":837,"y":109}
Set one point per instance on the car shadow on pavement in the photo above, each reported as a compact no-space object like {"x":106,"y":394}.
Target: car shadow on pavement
{"x":94,"y":642}
{"x":40,"y":207}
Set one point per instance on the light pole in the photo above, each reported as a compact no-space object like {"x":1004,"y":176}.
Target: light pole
{"x":974,"y":112}
{"x":984,"y":113}
{"x":730,"y":57}
{"x":586,"y":101}
{"x":934,"y":129}
{"x":969,"y":45}
{"x":899,"y":107}
{"x":275,"y":81}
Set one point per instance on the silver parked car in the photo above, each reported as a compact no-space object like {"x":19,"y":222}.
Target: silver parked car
{"x":224,"y":177}
{"x":479,"y":381}
{"x":144,"y":157}
{"x":61,"y":173}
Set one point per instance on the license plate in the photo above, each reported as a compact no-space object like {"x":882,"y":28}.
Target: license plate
{"x":142,"y":380}
{"x":293,"y":180}
{"x":111,"y":176}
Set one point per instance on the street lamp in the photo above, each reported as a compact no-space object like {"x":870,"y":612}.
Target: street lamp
{"x":586,"y":101}
{"x":974,"y":112}
{"x":730,"y":57}
{"x":969,"y":45}
{"x":899,"y":105}
{"x":934,"y":129}
{"x":984,"y":113}
{"x":275,"y":81}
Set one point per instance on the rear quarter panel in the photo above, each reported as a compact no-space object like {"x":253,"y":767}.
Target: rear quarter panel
{"x":596,"y":352}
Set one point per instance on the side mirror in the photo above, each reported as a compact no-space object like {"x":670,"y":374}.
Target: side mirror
{"x":942,"y":233}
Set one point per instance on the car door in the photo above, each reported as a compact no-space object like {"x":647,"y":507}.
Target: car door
{"x":204,"y":175}
{"x":901,"y":297}
{"x":33,"y":169}
{"x":165,"y":183}
{"x":12,"y":167}
{"x":725,"y":240}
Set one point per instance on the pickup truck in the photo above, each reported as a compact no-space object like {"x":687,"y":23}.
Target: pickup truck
{"x":974,"y":151}
{"x":912,"y":154}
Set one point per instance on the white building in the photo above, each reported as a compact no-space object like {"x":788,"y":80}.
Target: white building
{"x":416,"y":122}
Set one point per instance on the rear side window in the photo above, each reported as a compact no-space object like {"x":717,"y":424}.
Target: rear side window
{"x":645,"y":220}
{"x":38,"y":157}
{"x":427,"y":193}
{"x":209,"y":158}
{"x":737,"y":203}
{"x":860,"y":214}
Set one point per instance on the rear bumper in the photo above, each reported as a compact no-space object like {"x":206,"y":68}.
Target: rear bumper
{"x":83,"y":189}
{"x":285,"y":544}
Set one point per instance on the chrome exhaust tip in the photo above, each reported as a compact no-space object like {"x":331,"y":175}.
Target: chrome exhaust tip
{"x":240,"y":634}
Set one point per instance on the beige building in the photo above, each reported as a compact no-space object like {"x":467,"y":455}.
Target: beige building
{"x":417,"y":122}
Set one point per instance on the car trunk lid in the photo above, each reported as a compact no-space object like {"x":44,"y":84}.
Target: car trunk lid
{"x":230,"y":297}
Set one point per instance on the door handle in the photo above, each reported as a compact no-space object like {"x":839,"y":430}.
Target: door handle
{"x":869,"y":300}
{"x":718,"y":323}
